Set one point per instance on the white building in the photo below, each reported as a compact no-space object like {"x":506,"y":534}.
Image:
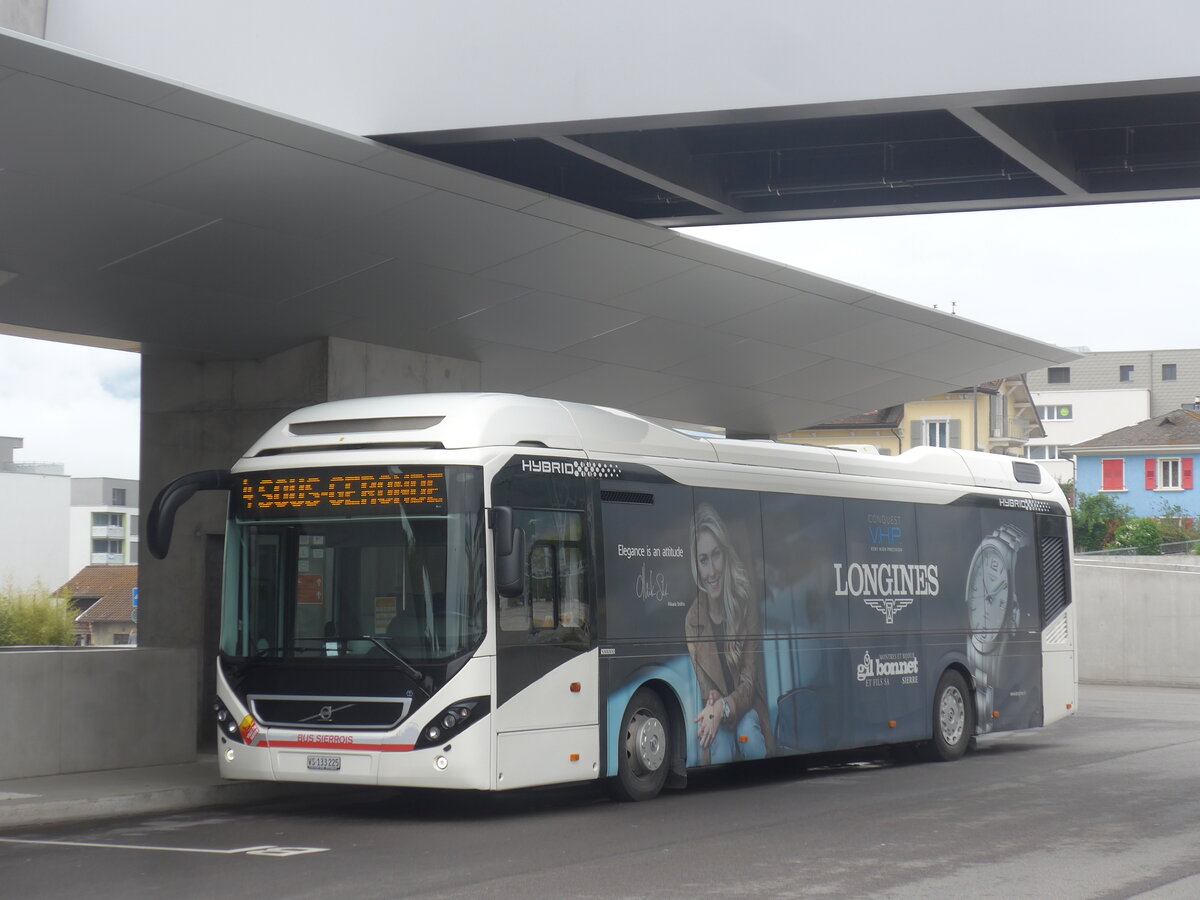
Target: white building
{"x":36,"y":499}
{"x":1104,"y":391}
{"x":104,"y":522}
{"x":1070,"y":417}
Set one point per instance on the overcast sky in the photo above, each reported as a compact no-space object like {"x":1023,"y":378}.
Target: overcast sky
{"x":1115,"y":277}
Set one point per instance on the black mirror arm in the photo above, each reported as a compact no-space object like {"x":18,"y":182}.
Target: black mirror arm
{"x":160,"y":522}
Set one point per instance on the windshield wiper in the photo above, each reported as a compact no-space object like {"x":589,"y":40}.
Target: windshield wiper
{"x":424,"y":682}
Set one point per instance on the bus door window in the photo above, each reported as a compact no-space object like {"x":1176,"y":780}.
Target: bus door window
{"x":555,"y":604}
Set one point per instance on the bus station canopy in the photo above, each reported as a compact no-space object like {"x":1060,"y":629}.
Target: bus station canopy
{"x":140,"y":213}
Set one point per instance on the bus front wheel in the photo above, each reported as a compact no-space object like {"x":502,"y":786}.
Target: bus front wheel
{"x":953,"y":718}
{"x":644,"y":748}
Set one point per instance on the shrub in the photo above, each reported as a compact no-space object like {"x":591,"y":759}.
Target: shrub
{"x":1097,"y":518}
{"x":1144,"y":534}
{"x":35,"y":618}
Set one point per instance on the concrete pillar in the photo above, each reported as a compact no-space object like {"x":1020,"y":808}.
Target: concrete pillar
{"x":25,"y":16}
{"x":200,"y":415}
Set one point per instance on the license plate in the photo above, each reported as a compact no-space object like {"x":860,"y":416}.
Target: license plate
{"x":325,"y":763}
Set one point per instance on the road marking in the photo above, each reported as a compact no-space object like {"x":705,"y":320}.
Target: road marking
{"x":264,"y":850}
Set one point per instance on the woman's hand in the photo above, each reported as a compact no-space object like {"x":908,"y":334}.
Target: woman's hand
{"x":708,"y":723}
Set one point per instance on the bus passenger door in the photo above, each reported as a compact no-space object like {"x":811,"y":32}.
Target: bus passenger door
{"x":546,"y":665}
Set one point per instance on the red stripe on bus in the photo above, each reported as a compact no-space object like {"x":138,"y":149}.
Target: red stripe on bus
{"x":309,"y":745}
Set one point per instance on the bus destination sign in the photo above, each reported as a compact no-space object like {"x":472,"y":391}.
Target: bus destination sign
{"x":339,"y":492}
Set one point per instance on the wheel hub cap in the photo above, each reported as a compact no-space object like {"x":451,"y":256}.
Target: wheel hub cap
{"x":953,"y":716}
{"x":649,"y":742}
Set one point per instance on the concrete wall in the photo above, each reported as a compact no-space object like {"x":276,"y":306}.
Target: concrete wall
{"x":25,"y":16}
{"x":389,"y":67}
{"x":1139,"y":620}
{"x":80,"y":710}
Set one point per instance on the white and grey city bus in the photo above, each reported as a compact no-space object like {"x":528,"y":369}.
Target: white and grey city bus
{"x":490,"y":591}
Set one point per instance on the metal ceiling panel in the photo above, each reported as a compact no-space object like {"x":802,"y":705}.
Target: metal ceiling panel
{"x":704,"y":296}
{"x":395,"y":298}
{"x":623,"y":387}
{"x":542,"y":322}
{"x":745,"y":363}
{"x":652,"y":344}
{"x":94,"y":141}
{"x":521,"y":370}
{"x":589,"y":266}
{"x":270,"y":186}
{"x":257,"y":263}
{"x":828,"y":380}
{"x":798,"y":321}
{"x":878,"y":341}
{"x":455,"y":232}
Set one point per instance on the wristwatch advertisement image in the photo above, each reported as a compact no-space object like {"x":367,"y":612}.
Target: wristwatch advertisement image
{"x":993,"y":611}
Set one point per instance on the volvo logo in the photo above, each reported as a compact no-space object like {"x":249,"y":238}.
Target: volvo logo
{"x":325,"y":713}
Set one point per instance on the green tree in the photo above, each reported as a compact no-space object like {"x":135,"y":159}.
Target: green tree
{"x":35,"y":618}
{"x":1096,"y":520}
{"x":1172,"y":519}
{"x":1144,"y":534}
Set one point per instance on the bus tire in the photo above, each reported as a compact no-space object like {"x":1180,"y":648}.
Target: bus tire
{"x":644,"y":748}
{"x":953,"y":719}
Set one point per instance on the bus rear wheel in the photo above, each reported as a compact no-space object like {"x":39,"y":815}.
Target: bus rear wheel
{"x":953,"y":719}
{"x":644,"y":747}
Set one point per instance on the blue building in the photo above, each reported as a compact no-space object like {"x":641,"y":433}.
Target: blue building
{"x":1148,"y":466}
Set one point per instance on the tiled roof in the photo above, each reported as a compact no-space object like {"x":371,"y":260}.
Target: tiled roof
{"x":1178,"y":428}
{"x":111,"y":585}
{"x":888,"y":417}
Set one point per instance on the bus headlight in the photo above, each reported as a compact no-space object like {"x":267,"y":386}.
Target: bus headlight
{"x":452,"y":720}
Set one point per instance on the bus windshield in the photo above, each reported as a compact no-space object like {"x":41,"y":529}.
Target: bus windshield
{"x":401,"y":589}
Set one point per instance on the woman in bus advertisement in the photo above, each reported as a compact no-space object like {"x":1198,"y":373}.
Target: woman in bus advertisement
{"x":734,"y":722}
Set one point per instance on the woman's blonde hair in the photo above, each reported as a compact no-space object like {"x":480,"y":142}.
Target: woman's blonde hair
{"x":735,"y":590}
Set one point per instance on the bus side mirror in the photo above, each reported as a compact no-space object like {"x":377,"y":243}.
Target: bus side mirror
{"x":509,"y":543}
{"x":161,"y":520}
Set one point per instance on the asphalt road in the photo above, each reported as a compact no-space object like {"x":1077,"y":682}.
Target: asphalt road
{"x":1106,"y":804}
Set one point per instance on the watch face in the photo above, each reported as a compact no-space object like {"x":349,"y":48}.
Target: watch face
{"x":987,"y":595}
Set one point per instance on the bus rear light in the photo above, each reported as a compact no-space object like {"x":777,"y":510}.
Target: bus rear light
{"x":892,"y":724}
{"x":574,"y":757}
{"x":576,"y":687}
{"x":995,"y":713}
{"x":1069,"y":705}
{"x":744,"y":738}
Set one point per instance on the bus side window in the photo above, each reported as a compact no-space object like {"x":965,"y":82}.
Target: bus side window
{"x":555,"y":600}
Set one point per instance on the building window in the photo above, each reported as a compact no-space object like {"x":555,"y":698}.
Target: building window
{"x":1127,"y":373}
{"x":1169,"y":473}
{"x":133,"y":525}
{"x":1058,"y":375}
{"x":116,"y":548}
{"x":999,"y":415}
{"x":118,"y":497}
{"x":1169,"y":476}
{"x":1112,"y":474}
{"x":1062,"y":412}
{"x":108,"y":520}
{"x":1168,"y":372}
{"x":120,"y":638}
{"x":1041,"y":451}
{"x":937,"y":434}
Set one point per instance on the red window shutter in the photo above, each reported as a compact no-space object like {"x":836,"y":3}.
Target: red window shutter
{"x":1187,"y":473}
{"x":1112,"y":474}
{"x":1151,"y":473}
